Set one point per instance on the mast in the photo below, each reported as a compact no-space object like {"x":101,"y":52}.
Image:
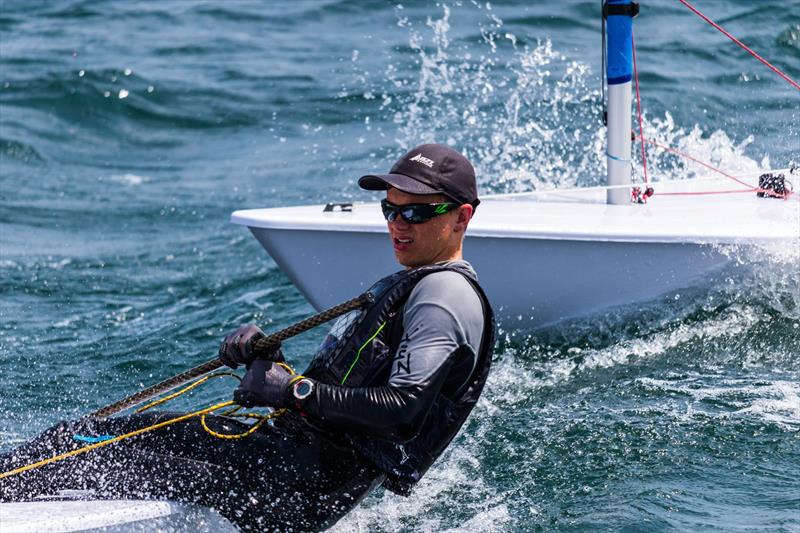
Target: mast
{"x":619,"y":18}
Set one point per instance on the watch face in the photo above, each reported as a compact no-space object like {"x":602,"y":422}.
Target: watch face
{"x":302,"y":389}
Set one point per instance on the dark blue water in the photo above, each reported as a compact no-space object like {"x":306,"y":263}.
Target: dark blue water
{"x":129,"y":131}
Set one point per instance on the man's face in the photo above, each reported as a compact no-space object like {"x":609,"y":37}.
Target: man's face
{"x":438,"y":239}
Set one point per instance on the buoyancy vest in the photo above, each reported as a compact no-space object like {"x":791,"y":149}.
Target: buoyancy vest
{"x":358,"y":352}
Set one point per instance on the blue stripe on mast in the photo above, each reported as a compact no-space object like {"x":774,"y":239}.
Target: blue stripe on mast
{"x":620,"y":50}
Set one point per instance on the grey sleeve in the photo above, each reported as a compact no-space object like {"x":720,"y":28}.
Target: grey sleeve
{"x":442,"y":314}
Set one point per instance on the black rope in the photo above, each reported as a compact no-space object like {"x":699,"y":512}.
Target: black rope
{"x":260,"y":346}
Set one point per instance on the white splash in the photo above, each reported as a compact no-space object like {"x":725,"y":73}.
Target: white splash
{"x":120,"y":315}
{"x":129,"y":179}
{"x":254,"y":298}
{"x":527,"y":116}
{"x":11,"y":437}
{"x":58,"y":265}
{"x":716,"y":149}
{"x":458,"y":471}
{"x":67,"y":322}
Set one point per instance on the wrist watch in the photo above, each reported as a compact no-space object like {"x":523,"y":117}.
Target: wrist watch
{"x":302,"y":389}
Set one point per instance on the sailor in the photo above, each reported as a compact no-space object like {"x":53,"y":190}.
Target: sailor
{"x":382,"y":398}
{"x":400,"y":401}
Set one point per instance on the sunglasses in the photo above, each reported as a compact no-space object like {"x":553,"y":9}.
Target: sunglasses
{"x":415,"y":213}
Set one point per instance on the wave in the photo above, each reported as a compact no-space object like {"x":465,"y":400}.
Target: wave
{"x":225,"y":14}
{"x":790,"y":37}
{"x":100,"y":99}
{"x":20,"y":151}
{"x":149,"y":113}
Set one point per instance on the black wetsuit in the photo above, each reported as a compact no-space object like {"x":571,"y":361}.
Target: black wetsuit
{"x":279,"y":478}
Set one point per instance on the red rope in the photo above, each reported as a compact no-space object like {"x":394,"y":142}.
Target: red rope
{"x":770,"y":192}
{"x":749,"y":188}
{"x":701,"y":193}
{"x":687,"y":156}
{"x":740,"y":43}
{"x":639,"y":107}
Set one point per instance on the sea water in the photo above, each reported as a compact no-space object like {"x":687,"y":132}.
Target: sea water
{"x":129,"y":131}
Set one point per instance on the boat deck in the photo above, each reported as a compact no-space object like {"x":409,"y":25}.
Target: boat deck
{"x":582,"y":214}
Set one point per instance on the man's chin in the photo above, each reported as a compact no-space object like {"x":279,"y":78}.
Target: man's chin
{"x":406,"y":261}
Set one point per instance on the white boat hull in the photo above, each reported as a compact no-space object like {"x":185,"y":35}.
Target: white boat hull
{"x":541,"y":257}
{"x":539,"y":283}
{"x":62,"y":516}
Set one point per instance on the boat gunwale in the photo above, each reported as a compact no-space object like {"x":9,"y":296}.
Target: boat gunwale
{"x":342,"y":223}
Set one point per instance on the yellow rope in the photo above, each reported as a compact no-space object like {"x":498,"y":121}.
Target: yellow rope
{"x":233,"y":412}
{"x":250,"y":431}
{"x":96,"y":445}
{"x":261,"y":419}
{"x":201,"y":413}
{"x":185,"y":390}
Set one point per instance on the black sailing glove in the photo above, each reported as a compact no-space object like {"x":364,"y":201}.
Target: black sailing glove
{"x":265,"y":384}
{"x":238,"y":347}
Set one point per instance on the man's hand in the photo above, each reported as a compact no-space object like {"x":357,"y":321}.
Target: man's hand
{"x":265,"y":384}
{"x":237,"y":348}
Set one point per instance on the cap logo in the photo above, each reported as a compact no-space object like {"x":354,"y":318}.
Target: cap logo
{"x":419,"y":158}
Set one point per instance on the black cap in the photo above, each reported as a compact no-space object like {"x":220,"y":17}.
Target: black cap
{"x":429,"y":169}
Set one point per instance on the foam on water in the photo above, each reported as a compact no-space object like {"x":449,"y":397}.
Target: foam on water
{"x":129,"y":179}
{"x":771,"y":401}
{"x":532,"y":365}
{"x":781,"y":404}
{"x":547,"y":389}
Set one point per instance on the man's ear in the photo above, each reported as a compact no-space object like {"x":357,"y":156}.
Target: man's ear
{"x":465,"y":213}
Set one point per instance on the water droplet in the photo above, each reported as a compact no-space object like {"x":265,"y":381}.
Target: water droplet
{"x":123,"y":94}
{"x":128,"y":72}
{"x":81,"y":73}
